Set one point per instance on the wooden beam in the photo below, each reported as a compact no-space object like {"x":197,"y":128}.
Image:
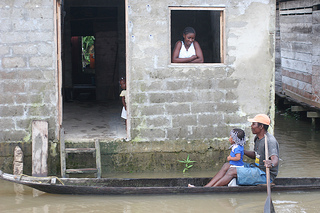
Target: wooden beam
{"x":297,"y":109}
{"x":313,"y":114}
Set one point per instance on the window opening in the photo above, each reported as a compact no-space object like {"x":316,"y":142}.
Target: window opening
{"x":209,"y":26}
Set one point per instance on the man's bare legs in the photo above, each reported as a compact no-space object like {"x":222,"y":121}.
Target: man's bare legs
{"x":219,"y":175}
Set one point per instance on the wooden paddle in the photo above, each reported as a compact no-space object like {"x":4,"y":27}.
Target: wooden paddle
{"x":268,"y":206}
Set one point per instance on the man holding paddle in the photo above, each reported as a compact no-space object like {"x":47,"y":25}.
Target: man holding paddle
{"x":255,"y":174}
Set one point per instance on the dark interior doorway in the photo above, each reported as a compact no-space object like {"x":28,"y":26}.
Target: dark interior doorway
{"x":92,"y":82}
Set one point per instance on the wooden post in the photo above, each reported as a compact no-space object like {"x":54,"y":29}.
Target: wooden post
{"x":39,"y":148}
{"x":98,"y":158}
{"x":62,"y":154}
{"x":17,"y":161}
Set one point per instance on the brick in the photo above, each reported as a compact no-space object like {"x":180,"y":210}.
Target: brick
{"x":13,"y":62}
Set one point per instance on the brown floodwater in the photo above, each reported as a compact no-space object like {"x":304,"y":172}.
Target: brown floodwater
{"x":299,"y":153}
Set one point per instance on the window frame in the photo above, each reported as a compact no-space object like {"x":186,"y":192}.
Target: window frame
{"x":222,"y":32}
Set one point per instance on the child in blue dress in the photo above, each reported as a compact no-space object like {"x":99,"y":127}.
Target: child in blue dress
{"x":237,"y":139}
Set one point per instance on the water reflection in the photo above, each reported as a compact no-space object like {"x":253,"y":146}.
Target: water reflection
{"x":299,"y":151}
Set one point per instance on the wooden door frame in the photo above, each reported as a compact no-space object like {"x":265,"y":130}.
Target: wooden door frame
{"x":57,"y":27}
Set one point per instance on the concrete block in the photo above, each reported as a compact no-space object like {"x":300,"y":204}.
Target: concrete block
{"x":14,"y":87}
{"x":11,"y":111}
{"x":161,"y":98}
{"x":184,"y":120}
{"x":154,"y":109}
{"x":13,"y":62}
{"x":209,"y":119}
{"x":24,"y":49}
{"x":45,"y":48}
{"x":139,"y":98}
{"x":41,"y":62}
{"x":16,"y":135}
{"x":182,"y":97}
{"x":177,"y":133}
{"x":177,"y":109}
{"x":227,"y":107}
{"x":157,"y":134}
{"x":35,"y":36}
{"x":12,"y":37}
{"x":203,"y":108}
{"x":7,"y":124}
{"x":6,"y":98}
{"x":178,"y":85}
{"x":4,"y":50}
{"x":158,"y":121}
{"x":210,"y":95}
{"x":228,"y":84}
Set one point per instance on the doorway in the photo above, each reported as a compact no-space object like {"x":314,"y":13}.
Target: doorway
{"x":93,"y":61}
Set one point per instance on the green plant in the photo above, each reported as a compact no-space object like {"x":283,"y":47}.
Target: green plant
{"x":187,"y":164}
{"x":87,"y":48}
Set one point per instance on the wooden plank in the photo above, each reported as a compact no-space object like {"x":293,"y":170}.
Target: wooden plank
{"x":80,"y":150}
{"x":98,"y":158}
{"x":39,"y":148}
{"x":62,"y":154}
{"x":81,"y":171}
{"x":296,"y":11}
{"x":313,"y":114}
{"x":301,"y":66}
{"x":296,"y":4}
{"x":297,"y":109}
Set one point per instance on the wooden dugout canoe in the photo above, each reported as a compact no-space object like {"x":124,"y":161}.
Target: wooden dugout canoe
{"x":127,"y":186}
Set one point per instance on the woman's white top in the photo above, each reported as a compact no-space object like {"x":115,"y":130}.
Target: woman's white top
{"x":184,"y":53}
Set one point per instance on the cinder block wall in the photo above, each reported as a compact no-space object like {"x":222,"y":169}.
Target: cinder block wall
{"x":27,"y":68}
{"x":199,"y":101}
